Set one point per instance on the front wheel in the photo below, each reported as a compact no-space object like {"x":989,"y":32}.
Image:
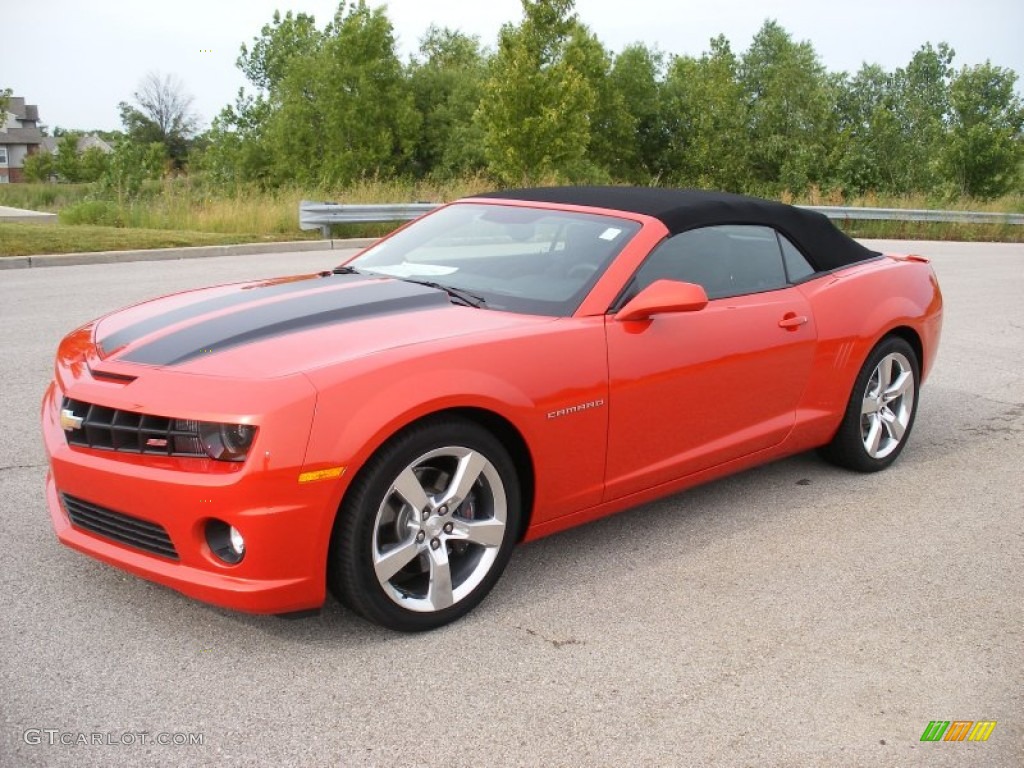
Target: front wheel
{"x":881,"y":410}
{"x":428,"y":526}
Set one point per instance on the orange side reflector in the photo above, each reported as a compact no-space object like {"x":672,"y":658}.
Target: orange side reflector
{"x":321,"y":474}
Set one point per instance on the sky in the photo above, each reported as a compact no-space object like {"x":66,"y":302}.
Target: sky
{"x":77,"y":60}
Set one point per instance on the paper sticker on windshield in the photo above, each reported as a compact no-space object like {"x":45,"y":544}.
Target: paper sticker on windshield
{"x":611,"y":233}
{"x":405,"y":269}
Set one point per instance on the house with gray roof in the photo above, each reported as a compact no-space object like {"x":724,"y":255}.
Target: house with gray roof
{"x":85,"y":142}
{"x":19,"y":137}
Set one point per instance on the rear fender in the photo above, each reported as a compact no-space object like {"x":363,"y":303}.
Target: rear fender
{"x":853,"y":313}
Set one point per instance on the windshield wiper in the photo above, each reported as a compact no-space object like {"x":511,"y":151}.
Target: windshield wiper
{"x":459,"y":295}
{"x":345,"y":271}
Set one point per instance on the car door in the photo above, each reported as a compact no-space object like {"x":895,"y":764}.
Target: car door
{"x":691,"y":390}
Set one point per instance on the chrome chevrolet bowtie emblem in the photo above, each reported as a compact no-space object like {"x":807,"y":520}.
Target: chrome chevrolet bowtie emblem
{"x":69,"y":421}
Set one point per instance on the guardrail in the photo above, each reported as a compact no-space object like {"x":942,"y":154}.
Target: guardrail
{"x":910,"y":214}
{"x":322,"y":215}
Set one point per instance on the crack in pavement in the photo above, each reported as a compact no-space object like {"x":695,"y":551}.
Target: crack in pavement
{"x":555,"y":643}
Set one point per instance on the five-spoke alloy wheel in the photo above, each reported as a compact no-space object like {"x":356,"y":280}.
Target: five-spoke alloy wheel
{"x":888,"y":405}
{"x":427,"y":527}
{"x":881,"y":410}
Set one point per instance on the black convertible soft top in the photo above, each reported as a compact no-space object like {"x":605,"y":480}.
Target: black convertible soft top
{"x":824,"y":246}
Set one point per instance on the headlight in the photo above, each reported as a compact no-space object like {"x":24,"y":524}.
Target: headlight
{"x":227,"y":442}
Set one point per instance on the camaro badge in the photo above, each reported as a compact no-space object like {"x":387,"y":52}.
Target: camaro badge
{"x":69,"y":421}
{"x":575,"y":409}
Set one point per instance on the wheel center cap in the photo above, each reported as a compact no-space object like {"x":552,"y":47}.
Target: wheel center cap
{"x":433,"y":526}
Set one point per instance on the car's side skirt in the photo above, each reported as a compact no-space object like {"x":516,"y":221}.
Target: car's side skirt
{"x":786,"y":448}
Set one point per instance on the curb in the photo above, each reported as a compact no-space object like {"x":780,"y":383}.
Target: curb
{"x":195,"y":252}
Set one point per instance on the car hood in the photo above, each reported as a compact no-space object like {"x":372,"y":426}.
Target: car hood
{"x":284,"y":326}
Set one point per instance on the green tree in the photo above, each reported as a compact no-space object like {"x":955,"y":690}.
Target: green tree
{"x":611,"y":124}
{"x":238,"y":151}
{"x":162,"y":113}
{"x":66,"y":162}
{"x":92,"y":164}
{"x":636,"y":75}
{"x":893,"y":127}
{"x":792,"y":121}
{"x":39,"y":167}
{"x":984,"y":149}
{"x":921,"y":104}
{"x":536,"y":107}
{"x":446,"y":80}
{"x":131,"y":164}
{"x":239,"y":148}
{"x":265,"y":64}
{"x":705,"y":121}
{"x":870,"y":137}
{"x":345,"y":111}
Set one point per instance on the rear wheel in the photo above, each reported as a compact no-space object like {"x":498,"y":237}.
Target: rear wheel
{"x":881,"y":410}
{"x":427,"y":528}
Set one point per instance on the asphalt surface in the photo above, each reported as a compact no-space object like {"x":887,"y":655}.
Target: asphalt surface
{"x":793,"y":615}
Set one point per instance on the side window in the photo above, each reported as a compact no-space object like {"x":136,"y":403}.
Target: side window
{"x":729,"y":260}
{"x":797,"y":267}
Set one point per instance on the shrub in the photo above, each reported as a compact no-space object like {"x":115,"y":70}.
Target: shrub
{"x":103,"y":213}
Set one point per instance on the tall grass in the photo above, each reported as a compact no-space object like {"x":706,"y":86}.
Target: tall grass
{"x":189,"y":204}
{"x":185,"y":206}
{"x":815,"y":196}
{"x":932,"y":230}
{"x":43,"y":197}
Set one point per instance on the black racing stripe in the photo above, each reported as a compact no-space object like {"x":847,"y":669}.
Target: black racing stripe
{"x":283,"y":317}
{"x":245,"y":294}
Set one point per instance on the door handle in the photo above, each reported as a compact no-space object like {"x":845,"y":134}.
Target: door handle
{"x":791,"y":321}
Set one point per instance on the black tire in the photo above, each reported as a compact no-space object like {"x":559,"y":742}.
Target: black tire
{"x":378,"y":527}
{"x":855,"y":446}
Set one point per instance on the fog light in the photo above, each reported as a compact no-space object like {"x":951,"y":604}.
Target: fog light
{"x":236,"y":541}
{"x":225,"y":541}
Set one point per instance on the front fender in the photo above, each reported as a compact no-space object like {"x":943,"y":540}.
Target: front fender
{"x":523,"y":380}
{"x":347,"y":434}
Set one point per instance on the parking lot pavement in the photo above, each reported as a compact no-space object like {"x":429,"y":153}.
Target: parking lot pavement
{"x":793,"y":615}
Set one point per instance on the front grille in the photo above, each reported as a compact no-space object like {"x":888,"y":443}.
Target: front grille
{"x":116,"y":526}
{"x":111,"y":429}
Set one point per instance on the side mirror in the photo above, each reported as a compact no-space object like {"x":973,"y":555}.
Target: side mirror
{"x":663,"y":296}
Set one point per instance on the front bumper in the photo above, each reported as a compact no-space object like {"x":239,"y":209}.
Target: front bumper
{"x":286,"y":524}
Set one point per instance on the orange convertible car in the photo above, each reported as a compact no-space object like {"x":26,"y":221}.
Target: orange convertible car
{"x":506,"y":367}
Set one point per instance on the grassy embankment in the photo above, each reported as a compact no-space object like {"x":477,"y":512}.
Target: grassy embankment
{"x":181,"y":212}
{"x":924,"y":230}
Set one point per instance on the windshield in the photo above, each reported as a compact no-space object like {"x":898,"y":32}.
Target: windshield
{"x":516,"y":259}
